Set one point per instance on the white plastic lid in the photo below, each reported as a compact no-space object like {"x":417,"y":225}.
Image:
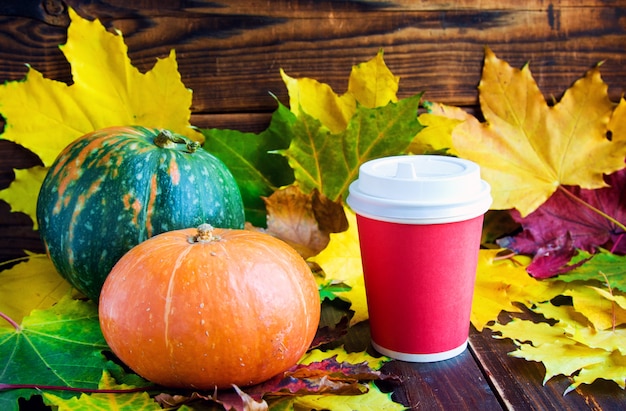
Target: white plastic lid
{"x":419,"y":189}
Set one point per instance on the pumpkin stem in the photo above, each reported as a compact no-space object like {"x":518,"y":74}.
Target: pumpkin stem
{"x":204,"y":234}
{"x":166,"y":139}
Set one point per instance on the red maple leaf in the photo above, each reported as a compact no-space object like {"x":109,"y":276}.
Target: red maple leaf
{"x":572,"y":219}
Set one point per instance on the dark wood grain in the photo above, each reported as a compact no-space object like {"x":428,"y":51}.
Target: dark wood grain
{"x":519,"y":382}
{"x":454,"y":384}
{"x":230,"y":53}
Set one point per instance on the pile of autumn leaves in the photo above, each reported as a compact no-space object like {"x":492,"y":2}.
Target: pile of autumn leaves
{"x":560,"y":170}
{"x":557,"y":169}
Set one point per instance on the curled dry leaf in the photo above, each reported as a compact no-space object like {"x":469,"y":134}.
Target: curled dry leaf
{"x":303,"y":221}
{"x":231,"y":400}
{"x":328,"y":376}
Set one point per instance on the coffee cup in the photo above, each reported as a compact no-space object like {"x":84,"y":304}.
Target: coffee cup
{"x":419,"y":220}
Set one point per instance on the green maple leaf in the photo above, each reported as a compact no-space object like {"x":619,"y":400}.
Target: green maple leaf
{"x":330,"y":162}
{"x":132,"y":401}
{"x":329,"y":289}
{"x":251,"y":160}
{"x":59,"y":346}
{"x":602,"y":266}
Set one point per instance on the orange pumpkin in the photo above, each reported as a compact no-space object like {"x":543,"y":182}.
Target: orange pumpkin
{"x":205,"y":308}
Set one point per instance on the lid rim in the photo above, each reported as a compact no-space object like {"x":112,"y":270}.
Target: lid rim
{"x":355,"y":191}
{"x":423,"y":216}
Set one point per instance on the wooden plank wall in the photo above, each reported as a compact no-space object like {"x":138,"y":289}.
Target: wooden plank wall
{"x":230,"y":52}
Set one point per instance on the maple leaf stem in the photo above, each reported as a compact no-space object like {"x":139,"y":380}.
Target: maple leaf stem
{"x":592,"y":208}
{"x":74,"y":389}
{"x":608,"y":284}
{"x":616,"y":242}
{"x":10,"y":321}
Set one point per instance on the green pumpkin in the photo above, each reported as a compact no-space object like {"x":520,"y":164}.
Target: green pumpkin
{"x":114,"y":188}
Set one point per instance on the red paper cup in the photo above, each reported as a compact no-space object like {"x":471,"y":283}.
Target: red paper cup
{"x":419,"y":220}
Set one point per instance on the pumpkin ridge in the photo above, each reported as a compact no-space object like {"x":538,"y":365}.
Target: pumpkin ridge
{"x":284,"y":269}
{"x":150,"y":191}
{"x":169,"y":295}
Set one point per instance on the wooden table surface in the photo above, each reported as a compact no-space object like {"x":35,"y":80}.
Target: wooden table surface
{"x":484,"y":377}
{"x":230,"y":53}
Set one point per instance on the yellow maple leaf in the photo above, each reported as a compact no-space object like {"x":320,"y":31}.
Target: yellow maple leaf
{"x":571,"y":346}
{"x":341,"y":261}
{"x":613,"y":368}
{"x":608,"y":340}
{"x":344,"y":356}
{"x":617,"y":125}
{"x":550,"y":344}
{"x":599,"y":307}
{"x":527,"y":149}
{"x":320,"y":101}
{"x":372,"y":400}
{"x":562,"y":358}
{"x":540,"y":333}
{"x":564,"y":314}
{"x":29,"y":285}
{"x":45,"y":115}
{"x":614,"y":296}
{"x":436,"y":136}
{"x":371,"y":84}
{"x":502,"y":282}
{"x":27,"y":183}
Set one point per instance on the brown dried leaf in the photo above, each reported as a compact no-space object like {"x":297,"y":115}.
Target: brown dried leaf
{"x":234,"y":399}
{"x":303,"y":221}
{"x":329,"y":214}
